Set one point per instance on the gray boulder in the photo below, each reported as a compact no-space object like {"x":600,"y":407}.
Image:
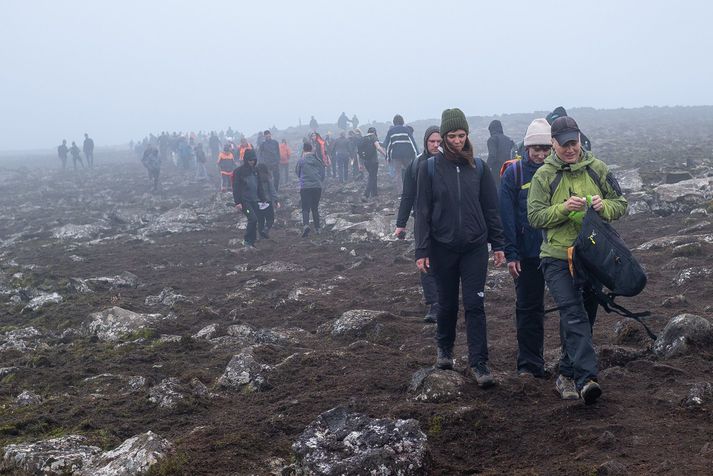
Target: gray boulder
{"x":345,"y":444}
{"x":692,"y":274}
{"x":436,"y":386}
{"x":699,"y":394}
{"x":685,"y":195}
{"x":279,"y":267}
{"x":178,"y":220}
{"x":629,"y":180}
{"x":66,"y":455}
{"x":244,"y":372}
{"x":207,"y":332}
{"x":134,"y":456}
{"x":123,"y":280}
{"x":682,"y":335}
{"x":167,"y":297}
{"x":27,"y":398}
{"x":42,"y":300}
{"x":114,"y":323}
{"x":79,"y":232}
{"x":20,"y":339}
{"x":358,"y":323}
{"x":167,"y":393}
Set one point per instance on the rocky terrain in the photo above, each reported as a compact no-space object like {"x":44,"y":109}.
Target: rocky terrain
{"x":138,"y":336}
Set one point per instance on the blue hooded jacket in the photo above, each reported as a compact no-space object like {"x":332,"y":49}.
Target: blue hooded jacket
{"x":521,"y":240}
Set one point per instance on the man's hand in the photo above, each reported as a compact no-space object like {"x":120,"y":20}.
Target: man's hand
{"x":498,"y":258}
{"x":239,"y":207}
{"x":514,"y":269}
{"x":400,"y":233}
{"x":575,"y":204}
{"x":423,"y":264}
{"x":597,"y":203}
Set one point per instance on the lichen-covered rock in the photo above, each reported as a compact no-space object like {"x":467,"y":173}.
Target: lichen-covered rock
{"x":279,"y":267}
{"x":358,"y":323}
{"x":27,"y":398}
{"x":123,"y":280}
{"x":432,"y":385}
{"x":167,"y":297}
{"x":42,"y":300}
{"x":133,"y":457}
{"x":114,"y":323}
{"x":79,"y":232}
{"x":629,"y":180}
{"x":683,"y":334}
{"x":167,"y":393}
{"x":244,"y":372}
{"x":699,"y":394}
{"x":207,"y":332}
{"x":690,"y":274}
{"x":66,"y":455}
{"x":346,"y":444}
{"x":684,"y":195}
{"x":19,"y":339}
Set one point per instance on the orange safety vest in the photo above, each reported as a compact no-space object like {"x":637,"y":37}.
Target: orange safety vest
{"x":243,"y":148}
{"x":285,"y":153}
{"x":225,"y":156}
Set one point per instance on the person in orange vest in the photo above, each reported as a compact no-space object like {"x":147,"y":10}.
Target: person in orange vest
{"x":226,"y":165}
{"x":244,"y":145}
{"x":285,"y":153}
{"x":319,"y":146}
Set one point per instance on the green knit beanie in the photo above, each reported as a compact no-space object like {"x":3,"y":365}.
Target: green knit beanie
{"x":452,"y":120}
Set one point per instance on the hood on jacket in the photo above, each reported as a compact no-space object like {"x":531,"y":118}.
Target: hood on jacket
{"x":428,"y":133}
{"x":495,"y":127}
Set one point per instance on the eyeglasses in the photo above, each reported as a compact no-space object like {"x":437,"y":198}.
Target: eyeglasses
{"x":541,"y":148}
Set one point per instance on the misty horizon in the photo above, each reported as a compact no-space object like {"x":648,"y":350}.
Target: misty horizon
{"x":120,"y":71}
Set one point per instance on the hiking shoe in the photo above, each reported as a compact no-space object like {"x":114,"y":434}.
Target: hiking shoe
{"x":590,"y":392}
{"x":444,"y":360}
{"x":305,"y":232}
{"x":482,"y":375}
{"x":265,"y":235}
{"x":566,"y":388}
{"x":247,"y":244}
{"x":432,"y":313}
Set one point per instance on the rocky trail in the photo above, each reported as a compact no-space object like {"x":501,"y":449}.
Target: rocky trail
{"x":138,"y":335}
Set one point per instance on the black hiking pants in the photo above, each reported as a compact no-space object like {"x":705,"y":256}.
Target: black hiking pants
{"x":250,"y":210}
{"x":578,"y":360}
{"x":372,"y":168}
{"x":266,"y":218}
{"x":310,"y":203}
{"x":530,"y":317}
{"x":430,"y":289}
{"x":452,"y":270}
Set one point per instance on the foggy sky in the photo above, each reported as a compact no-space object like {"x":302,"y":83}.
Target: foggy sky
{"x":122,"y":69}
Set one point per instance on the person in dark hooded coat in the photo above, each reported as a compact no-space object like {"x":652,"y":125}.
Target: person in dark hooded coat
{"x":500,"y":149}
{"x":431,"y":144}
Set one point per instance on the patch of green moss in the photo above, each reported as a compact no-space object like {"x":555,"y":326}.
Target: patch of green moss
{"x":435,"y":425}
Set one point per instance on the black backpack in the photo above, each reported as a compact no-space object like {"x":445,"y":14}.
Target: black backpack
{"x":599,"y":257}
{"x":366,"y":148}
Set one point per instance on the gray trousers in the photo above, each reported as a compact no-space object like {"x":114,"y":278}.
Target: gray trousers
{"x":578,"y":361}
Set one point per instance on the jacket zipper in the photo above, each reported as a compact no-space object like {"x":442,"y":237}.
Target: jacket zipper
{"x":460,"y":210}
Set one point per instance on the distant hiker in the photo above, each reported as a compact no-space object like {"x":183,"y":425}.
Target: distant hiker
{"x":214,"y":145}
{"x":244,"y":145}
{"x":343,"y":121}
{"x":368,"y":148}
{"x":313,"y":124}
{"x":355,"y":121}
{"x":354,"y":137}
{"x":522,"y":249}
{"x":247,"y":192}
{"x":285,"y":153}
{"x":341,"y":152}
{"x":201,"y":159}
{"x":260,"y":139}
{"x":185,"y":154}
{"x":88,"y":149}
{"x":319,"y":147}
{"x":269,"y":154}
{"x":310,"y":173}
{"x":559,"y":192}
{"x":76,"y":155}
{"x":559,"y":111}
{"x":456,"y":216}
{"x":62,"y":151}
{"x":152,"y":161}
{"x":431,"y":144}
{"x":330,"y":162}
{"x":500,"y":149}
{"x":400,"y":148}
{"x":266,"y":208}
{"x":226,"y":166}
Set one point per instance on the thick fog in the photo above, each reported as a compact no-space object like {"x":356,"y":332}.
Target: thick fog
{"x":122,"y":69}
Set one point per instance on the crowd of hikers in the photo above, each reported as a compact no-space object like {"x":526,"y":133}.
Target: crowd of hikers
{"x":525,"y":204}
{"x":87,"y":148}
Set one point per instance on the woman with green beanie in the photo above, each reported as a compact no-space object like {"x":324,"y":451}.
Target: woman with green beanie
{"x":456,"y":217}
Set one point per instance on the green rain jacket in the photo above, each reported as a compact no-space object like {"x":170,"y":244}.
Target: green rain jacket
{"x":546,"y":210}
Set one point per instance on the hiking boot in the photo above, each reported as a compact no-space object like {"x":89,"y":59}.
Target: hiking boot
{"x":566,"y":388}
{"x":444,"y":359}
{"x":247,"y":244}
{"x":305,"y":231}
{"x":590,"y":392}
{"x":265,"y":235}
{"x":482,"y":375}
{"x":432,"y":313}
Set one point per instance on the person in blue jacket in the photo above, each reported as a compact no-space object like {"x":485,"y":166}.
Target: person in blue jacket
{"x":522,"y":249}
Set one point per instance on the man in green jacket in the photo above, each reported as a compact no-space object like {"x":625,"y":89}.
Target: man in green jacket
{"x":569,"y":181}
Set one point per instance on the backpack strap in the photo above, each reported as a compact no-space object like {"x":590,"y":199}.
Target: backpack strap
{"x":558,"y":178}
